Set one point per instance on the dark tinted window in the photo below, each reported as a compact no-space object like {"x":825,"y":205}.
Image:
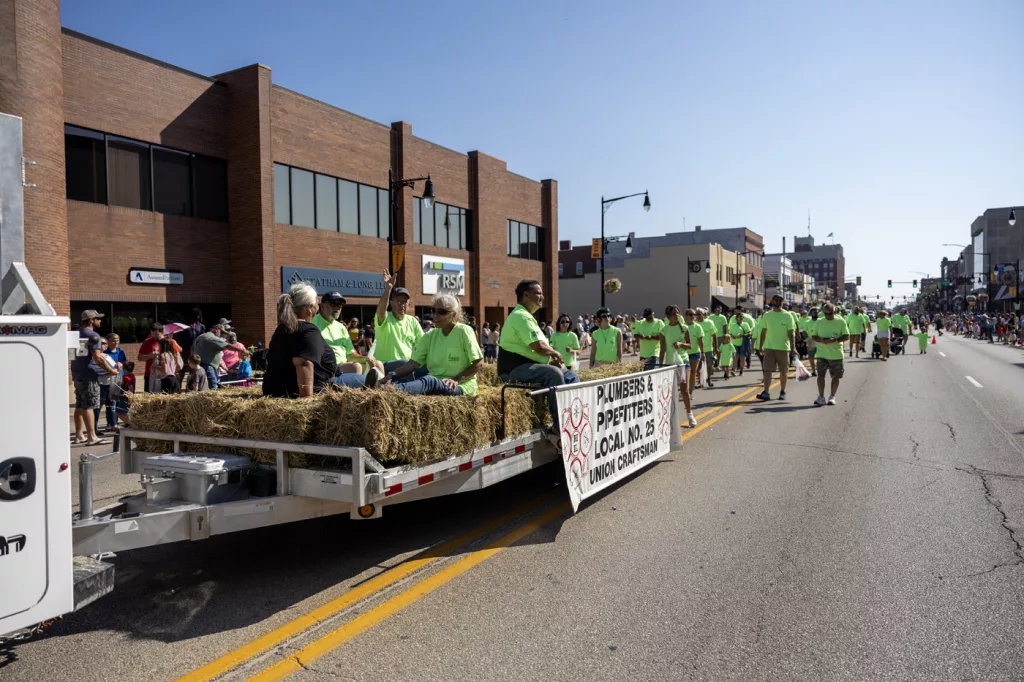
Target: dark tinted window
{"x":210,"y":184}
{"x":282,"y":196}
{"x":417,"y":205}
{"x":303,"y":210}
{"x":129,"y":173}
{"x":326,"y":203}
{"x":86,"y":164}
{"x":172,"y":181}
{"x":427,"y":220}
{"x":348,"y":195}
{"x":367,"y":210}
{"x":525,"y":240}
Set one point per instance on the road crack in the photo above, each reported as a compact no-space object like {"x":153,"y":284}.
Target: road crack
{"x":1004,"y":519}
{"x":952,"y":431}
{"x":914,"y":445}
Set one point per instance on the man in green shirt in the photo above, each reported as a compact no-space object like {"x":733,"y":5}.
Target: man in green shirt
{"x":721,"y":323}
{"x":336,"y":337}
{"x":396,"y":332}
{"x":710,"y":342}
{"x":648,"y":332}
{"x":855,"y":325}
{"x":524,"y":355}
{"x":902,"y":322}
{"x":777,"y":340}
{"x":830,"y":334}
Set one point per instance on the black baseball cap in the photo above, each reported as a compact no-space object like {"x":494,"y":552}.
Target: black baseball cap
{"x":648,"y":311}
{"x":400,"y":291}
{"x":334,"y":297}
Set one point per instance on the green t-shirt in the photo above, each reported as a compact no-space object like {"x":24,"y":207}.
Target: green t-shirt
{"x":674,"y":334}
{"x":755,"y":333}
{"x":737,"y":330}
{"x":805,"y":324}
{"x":335,"y":336}
{"x":856,"y":324}
{"x":520,"y":330}
{"x":605,"y":341}
{"x":720,"y":322}
{"x":649,"y":349}
{"x":922,"y":340}
{"x":396,"y":339}
{"x":778,"y":325}
{"x":446,"y":356}
{"x":696,"y":338}
{"x":883,"y":324}
{"x":726,"y":351}
{"x":902,"y":322}
{"x":563,"y":342}
{"x":826,"y":329}
{"x":709,"y":331}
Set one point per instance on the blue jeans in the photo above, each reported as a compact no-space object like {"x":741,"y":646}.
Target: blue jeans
{"x":745,"y":348}
{"x":105,"y":401}
{"x":212,"y":377}
{"x":427,"y":385}
{"x":651,"y":362}
{"x":393,"y":365}
{"x":542,"y":376}
{"x":350,"y":380}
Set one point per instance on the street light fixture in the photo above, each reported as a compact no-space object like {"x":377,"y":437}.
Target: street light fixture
{"x":605,"y":203}
{"x":1013,"y":218}
{"x":428,"y":201}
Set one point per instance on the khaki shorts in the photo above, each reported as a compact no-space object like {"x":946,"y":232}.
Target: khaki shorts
{"x":775,"y":359}
{"x":833,"y":367}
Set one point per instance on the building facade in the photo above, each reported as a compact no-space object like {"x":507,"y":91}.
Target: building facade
{"x":824,"y":262}
{"x":160,"y":191}
{"x":746,"y":245}
{"x":655,"y":276}
{"x":992,"y":259}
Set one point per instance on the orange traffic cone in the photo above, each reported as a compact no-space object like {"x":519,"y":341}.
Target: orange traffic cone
{"x":934,"y":340}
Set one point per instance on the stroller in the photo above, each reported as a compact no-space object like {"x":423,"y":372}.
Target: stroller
{"x":896,"y":344}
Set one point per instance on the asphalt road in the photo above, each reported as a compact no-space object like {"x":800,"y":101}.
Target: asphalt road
{"x":876,"y":539}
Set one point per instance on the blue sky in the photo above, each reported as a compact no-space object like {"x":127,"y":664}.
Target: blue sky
{"x":895,"y":123}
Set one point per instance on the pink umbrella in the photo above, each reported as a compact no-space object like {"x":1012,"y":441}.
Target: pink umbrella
{"x":174,"y":327}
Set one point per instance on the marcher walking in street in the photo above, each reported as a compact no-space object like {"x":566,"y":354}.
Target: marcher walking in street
{"x":830,"y":336}
{"x":674,"y":346}
{"x":778,"y":331}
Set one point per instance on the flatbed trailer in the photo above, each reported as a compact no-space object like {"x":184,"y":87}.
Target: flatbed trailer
{"x":357,"y":485}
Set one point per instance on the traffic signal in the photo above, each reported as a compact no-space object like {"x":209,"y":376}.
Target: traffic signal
{"x":915,"y":283}
{"x":858,"y":280}
{"x":890,"y":284}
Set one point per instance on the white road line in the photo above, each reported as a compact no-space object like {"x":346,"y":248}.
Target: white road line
{"x":976,"y":384}
{"x":942,"y":354}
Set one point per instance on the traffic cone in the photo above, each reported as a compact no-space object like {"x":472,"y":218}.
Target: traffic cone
{"x":934,"y":340}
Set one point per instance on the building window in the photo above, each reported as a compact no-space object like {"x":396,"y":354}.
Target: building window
{"x":308,"y":199}
{"x":172,"y":182}
{"x":132,"y":321}
{"x":118,"y":171}
{"x":86,"y":163}
{"x":525,"y":240}
{"x":579,"y":268}
{"x":443,"y":226}
{"x":561,"y":270}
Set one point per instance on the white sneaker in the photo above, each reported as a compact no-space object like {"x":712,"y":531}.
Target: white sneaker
{"x":831,"y":400}
{"x":691,"y":420}
{"x":819,"y":401}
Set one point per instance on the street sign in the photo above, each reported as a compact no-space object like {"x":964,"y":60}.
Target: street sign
{"x":595,"y":248}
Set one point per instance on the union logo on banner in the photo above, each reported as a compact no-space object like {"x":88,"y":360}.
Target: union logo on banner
{"x":577,"y":440}
{"x":664,"y":414}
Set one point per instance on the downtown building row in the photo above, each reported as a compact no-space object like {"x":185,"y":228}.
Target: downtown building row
{"x":159,"y":191}
{"x":703,"y":268}
{"x":986,"y":274}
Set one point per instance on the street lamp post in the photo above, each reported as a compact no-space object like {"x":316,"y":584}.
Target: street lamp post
{"x":605,"y":203}
{"x":690,"y":268}
{"x":428,"y":201}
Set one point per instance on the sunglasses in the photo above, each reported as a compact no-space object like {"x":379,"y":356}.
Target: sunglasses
{"x":441,"y":311}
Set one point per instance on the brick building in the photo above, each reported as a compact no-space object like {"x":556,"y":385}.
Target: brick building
{"x":159,"y":191}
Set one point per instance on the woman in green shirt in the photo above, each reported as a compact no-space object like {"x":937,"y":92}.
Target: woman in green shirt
{"x":739,"y":329}
{"x":449,"y":351}
{"x":565,"y":341}
{"x":883,"y":325}
{"x":607,"y":347}
{"x":675,"y":346}
{"x":697,"y":347}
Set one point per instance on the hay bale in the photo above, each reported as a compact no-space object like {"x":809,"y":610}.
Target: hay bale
{"x":488,"y":376}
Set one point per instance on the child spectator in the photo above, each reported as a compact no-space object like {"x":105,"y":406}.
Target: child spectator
{"x":242,"y":369}
{"x":197,"y":380}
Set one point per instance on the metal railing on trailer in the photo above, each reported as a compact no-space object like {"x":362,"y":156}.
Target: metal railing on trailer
{"x":359,"y":485}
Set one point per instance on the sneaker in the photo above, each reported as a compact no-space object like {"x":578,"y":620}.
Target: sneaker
{"x":691,"y":420}
{"x":710,"y":385}
{"x":373,"y":375}
{"x":819,"y":401}
{"x":764,"y":395}
{"x":782,"y":395}
{"x":831,"y":400}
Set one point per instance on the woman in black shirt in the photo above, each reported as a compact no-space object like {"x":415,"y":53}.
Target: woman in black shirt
{"x":299,"y":363}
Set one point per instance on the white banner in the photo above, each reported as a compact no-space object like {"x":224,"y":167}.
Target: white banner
{"x":614,"y":427}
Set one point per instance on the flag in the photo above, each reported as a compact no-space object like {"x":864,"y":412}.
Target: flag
{"x":829,"y":235}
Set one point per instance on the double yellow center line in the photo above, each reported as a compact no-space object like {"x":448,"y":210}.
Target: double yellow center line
{"x":335,"y":638}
